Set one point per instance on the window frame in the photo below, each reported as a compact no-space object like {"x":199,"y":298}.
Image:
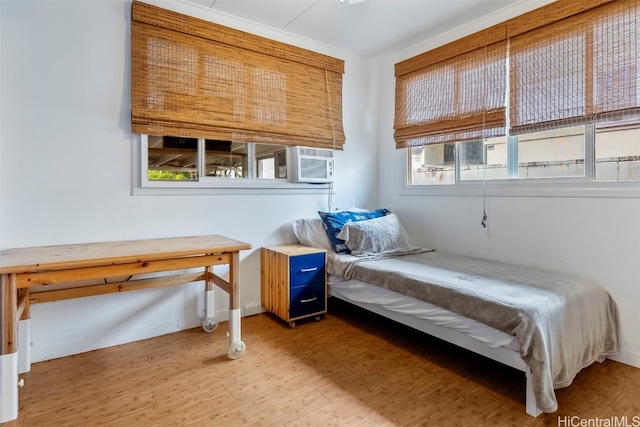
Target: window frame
{"x":528,"y":187}
{"x":141,"y":185}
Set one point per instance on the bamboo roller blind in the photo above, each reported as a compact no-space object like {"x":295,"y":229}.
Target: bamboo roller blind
{"x":194,"y":78}
{"x":570,"y":62}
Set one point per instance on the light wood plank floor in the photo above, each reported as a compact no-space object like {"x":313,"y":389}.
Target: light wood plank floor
{"x":351,"y":368}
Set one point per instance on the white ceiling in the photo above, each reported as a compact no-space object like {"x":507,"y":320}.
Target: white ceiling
{"x":369,"y":27}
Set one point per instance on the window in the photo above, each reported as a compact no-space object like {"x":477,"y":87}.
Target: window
{"x":272,"y":162}
{"x":174,"y":159}
{"x":568,"y":86}
{"x":559,"y":153}
{"x":483,"y":159}
{"x":617,"y":153}
{"x":217,"y":105}
{"x":430,"y":164}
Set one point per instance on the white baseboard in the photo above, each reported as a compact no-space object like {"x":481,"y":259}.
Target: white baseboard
{"x":628,"y":358}
{"x":250,"y":310}
{"x":76,"y":345}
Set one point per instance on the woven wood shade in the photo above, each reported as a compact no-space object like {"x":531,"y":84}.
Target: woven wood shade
{"x":454,"y":94}
{"x":194,"y":78}
{"x":582,"y":69}
{"x":570,"y":62}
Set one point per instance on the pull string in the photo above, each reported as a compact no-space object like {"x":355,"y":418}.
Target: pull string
{"x":484,"y":151}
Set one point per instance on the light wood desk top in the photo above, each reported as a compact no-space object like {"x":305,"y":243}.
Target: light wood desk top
{"x":23,"y":260}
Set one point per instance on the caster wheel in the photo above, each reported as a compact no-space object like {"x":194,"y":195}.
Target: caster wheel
{"x":318,"y":318}
{"x":236,"y":350}
{"x":292,"y":325}
{"x":209,"y":324}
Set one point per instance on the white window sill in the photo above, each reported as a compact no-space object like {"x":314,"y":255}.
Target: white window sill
{"x":225,"y":186}
{"x":529,"y":188}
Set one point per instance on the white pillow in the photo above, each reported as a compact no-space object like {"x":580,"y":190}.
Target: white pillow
{"x":384,"y":235}
{"x":310,"y":232}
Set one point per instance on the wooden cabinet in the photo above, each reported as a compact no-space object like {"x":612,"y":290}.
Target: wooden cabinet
{"x":293,"y":281}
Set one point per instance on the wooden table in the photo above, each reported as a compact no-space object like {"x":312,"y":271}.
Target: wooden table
{"x":25,"y":268}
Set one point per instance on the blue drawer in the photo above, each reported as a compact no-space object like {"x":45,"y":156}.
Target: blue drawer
{"x":306,"y":300}
{"x":304,"y":269}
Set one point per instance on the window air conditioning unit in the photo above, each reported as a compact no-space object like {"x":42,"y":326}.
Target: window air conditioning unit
{"x":314,"y":165}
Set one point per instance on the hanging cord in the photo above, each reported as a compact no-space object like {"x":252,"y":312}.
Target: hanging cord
{"x":484,"y":206}
{"x":484,"y":179}
{"x":484,"y":151}
{"x":333,"y":136}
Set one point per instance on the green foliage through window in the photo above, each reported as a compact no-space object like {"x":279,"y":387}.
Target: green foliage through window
{"x":165,"y":175}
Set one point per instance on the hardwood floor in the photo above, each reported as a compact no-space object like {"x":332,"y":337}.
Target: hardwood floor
{"x":351,"y":368}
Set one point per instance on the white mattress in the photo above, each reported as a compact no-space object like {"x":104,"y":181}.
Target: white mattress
{"x":361,"y":292}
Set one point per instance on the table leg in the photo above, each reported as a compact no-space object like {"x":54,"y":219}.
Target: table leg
{"x":236,"y":346}
{"x":9,"y":349}
{"x":9,"y":313}
{"x":208,"y":321}
{"x":24,"y":331}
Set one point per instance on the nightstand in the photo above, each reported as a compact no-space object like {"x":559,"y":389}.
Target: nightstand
{"x":293,"y":281}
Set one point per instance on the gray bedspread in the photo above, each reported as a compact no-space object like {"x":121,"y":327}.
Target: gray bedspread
{"x":561,"y":323}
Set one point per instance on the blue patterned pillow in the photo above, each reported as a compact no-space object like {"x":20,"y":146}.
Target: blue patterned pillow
{"x":334,"y":221}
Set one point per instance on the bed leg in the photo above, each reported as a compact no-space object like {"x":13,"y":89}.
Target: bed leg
{"x":531,"y":404}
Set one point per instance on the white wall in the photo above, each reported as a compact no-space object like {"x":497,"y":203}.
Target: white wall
{"x":584,"y":233}
{"x":65,"y":168}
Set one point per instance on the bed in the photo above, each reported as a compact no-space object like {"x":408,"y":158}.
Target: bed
{"x":546,"y":324}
